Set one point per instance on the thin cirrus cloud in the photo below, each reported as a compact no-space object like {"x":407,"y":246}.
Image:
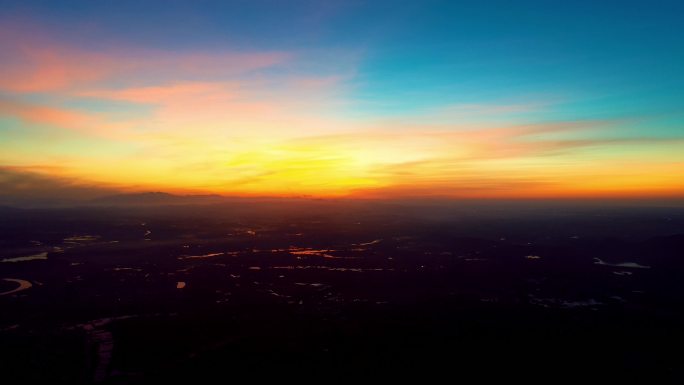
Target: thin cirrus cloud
{"x":264,"y":123}
{"x":34,"y":63}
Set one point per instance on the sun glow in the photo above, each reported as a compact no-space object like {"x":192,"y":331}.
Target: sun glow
{"x":266,"y":123}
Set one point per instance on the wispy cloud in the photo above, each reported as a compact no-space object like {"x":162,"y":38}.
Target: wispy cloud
{"x":37,"y":63}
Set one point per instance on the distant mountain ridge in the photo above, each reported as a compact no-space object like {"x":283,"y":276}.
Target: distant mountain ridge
{"x":156,"y":198}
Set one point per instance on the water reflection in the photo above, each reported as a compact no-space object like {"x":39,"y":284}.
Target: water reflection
{"x":319,"y":267}
{"x":373,"y":242}
{"x":81,"y":238}
{"x":200,"y":256}
{"x":27,"y":258}
{"x":633,"y":265}
{"x":23,"y":285}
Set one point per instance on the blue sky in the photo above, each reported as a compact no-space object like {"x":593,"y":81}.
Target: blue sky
{"x":414,"y":54}
{"x":340,"y":67}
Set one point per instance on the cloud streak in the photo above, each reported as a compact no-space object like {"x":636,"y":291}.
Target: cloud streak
{"x":35,"y":63}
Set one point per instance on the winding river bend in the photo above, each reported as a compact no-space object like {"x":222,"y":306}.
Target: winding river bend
{"x":23,"y":285}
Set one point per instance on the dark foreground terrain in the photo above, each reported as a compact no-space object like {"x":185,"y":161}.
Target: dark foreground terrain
{"x":335,"y":291}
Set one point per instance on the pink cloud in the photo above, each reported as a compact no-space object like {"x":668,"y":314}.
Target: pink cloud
{"x":45,"y":115}
{"x":88,"y":123}
{"x":176,"y":93}
{"x":33,"y":63}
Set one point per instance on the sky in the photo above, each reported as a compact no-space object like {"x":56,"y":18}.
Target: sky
{"x":368,"y":99}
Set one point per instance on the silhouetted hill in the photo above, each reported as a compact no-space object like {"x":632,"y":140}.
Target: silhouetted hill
{"x":155,"y":198}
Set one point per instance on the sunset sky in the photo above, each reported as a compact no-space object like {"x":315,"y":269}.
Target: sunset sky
{"x":365,"y":99}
